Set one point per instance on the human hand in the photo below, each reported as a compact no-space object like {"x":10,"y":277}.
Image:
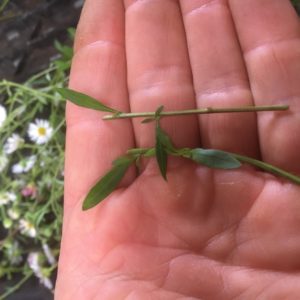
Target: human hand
{"x":204,"y":234}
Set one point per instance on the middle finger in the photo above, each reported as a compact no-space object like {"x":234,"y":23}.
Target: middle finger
{"x":159,"y":70}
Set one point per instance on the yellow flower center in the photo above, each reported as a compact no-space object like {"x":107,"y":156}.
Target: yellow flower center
{"x":42,"y":131}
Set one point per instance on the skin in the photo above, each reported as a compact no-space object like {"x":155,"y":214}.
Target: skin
{"x":203,"y":234}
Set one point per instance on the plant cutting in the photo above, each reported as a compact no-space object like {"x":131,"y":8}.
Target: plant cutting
{"x":212,"y":158}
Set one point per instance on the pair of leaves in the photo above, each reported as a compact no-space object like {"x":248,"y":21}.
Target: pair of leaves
{"x":85,"y":101}
{"x":109,"y":182}
{"x":211,"y":158}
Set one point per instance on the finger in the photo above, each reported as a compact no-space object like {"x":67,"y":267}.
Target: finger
{"x":99,"y":70}
{"x":269,"y":34}
{"x":158,"y":69}
{"x":219,"y":75}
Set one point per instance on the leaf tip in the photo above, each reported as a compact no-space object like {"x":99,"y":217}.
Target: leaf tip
{"x":86,"y":205}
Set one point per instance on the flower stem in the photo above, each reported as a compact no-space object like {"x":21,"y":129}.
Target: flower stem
{"x":206,"y":110}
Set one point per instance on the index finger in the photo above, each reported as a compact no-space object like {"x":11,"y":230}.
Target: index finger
{"x":99,"y":70}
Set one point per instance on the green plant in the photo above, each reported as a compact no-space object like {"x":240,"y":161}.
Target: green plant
{"x":32,"y":135}
{"x":164,"y":147}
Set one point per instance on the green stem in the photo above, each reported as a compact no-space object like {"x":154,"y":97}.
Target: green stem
{"x":243,"y":159}
{"x":267,"y":167}
{"x":26,"y":88}
{"x":137,"y":151}
{"x":206,"y":110}
{"x":16,"y":287}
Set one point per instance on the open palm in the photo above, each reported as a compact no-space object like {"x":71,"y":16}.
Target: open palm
{"x":203,"y":234}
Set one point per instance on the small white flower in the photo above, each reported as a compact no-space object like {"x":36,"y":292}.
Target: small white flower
{"x":40,"y":131}
{"x":3,"y":199}
{"x":3,"y":162}
{"x":24,"y":165}
{"x":14,"y":214}
{"x":3,"y":115}
{"x":33,"y":262}
{"x":51,"y":259}
{"x":27,"y":228}
{"x":7,"y":197}
{"x":13,"y":143}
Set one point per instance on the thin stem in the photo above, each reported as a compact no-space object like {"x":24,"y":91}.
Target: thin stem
{"x":16,"y":286}
{"x":243,"y":159}
{"x":26,"y":88}
{"x":206,"y":110}
{"x":267,"y":167}
{"x":138,"y":151}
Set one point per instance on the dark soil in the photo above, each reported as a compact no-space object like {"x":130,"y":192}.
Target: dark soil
{"x":28,"y":29}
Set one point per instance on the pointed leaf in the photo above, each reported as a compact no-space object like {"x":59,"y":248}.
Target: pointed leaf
{"x":108,"y":183}
{"x":165,"y":140}
{"x":158,"y":111}
{"x":148,"y":120}
{"x":84,"y":100}
{"x":160,"y":150}
{"x":214,"y":158}
{"x":123,"y":160}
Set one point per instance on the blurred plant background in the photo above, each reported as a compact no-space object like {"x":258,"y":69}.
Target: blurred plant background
{"x":33,"y":63}
{"x":35,"y":57}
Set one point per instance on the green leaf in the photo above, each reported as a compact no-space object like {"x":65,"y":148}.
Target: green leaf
{"x":148,"y":120}
{"x":123,"y":160}
{"x":108,"y":183}
{"x":71,"y":32}
{"x":66,"y":51}
{"x":165,"y":140}
{"x":214,"y":158}
{"x":158,"y":111}
{"x":84,"y":100}
{"x":161,"y":151}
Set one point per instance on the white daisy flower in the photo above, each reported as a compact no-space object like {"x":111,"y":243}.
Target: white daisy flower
{"x":3,"y":162}
{"x":24,"y":165}
{"x":40,"y":131}
{"x":7,"y":197}
{"x":3,"y":115}
{"x":33,"y":262}
{"x":27,"y":228}
{"x":13,"y":143}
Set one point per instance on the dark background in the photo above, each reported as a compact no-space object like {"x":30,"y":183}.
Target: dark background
{"x":28,"y":29}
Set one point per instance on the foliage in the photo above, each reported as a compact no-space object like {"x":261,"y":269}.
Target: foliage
{"x":32,"y":136}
